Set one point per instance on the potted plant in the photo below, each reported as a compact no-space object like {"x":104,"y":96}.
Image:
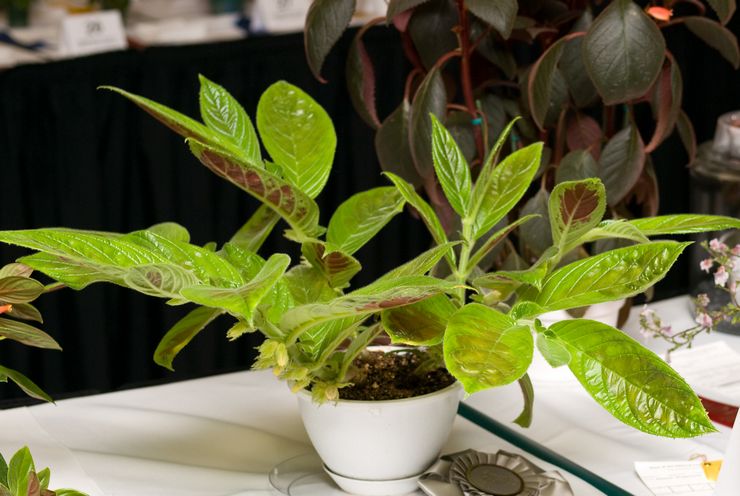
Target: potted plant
{"x":479,"y":326}
{"x":569,"y":68}
{"x":20,"y":478}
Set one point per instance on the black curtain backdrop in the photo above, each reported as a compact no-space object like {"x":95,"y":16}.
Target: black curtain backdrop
{"x":74,"y":156}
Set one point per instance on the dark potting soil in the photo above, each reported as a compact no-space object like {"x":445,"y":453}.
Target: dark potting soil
{"x":392,"y":376}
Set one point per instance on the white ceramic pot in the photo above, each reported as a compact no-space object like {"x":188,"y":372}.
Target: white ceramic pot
{"x":606,"y":313}
{"x":380,"y":447}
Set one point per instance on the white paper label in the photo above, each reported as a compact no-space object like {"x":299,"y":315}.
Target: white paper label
{"x":712,"y":370}
{"x":675,"y":478}
{"x":96,"y":32}
{"x":279,"y":16}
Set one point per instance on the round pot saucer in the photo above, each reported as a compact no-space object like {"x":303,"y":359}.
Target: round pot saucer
{"x":305,"y":475}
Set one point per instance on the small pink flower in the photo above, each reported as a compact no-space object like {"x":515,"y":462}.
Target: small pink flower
{"x":706,"y":264}
{"x":704,"y":319}
{"x":667,"y":331}
{"x":721,"y":276}
{"x":702,"y":299}
{"x":717,"y":245}
{"x":736,"y":250}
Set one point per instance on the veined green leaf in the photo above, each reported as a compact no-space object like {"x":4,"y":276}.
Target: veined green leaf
{"x":629,"y":72}
{"x":19,"y":289}
{"x":225,"y":116}
{"x":484,"y":348}
{"x":68,"y":492}
{"x":420,"y":324}
{"x":182,"y":333}
{"x":243,"y":300}
{"x":683,"y":224}
{"x":620,"y":229}
{"x":15,"y":269}
{"x":554,"y":352}
{"x":509,"y":181}
{"x":293,"y":205}
{"x":420,"y":265}
{"x":20,"y":469}
{"x":25,"y":311}
{"x":44,"y":478}
{"x":255,"y":231}
{"x":25,"y":384}
{"x":362,"y":216}
{"x":608,"y":276}
{"x":26,"y":334}
{"x":160,"y":280}
{"x":170,"y":230}
{"x":575,"y":208}
{"x":631,"y":382}
{"x":323,"y":338}
{"x":179,"y":123}
{"x":373,"y":298}
{"x":246,"y":261}
{"x":307,"y":285}
{"x":337,"y":266}
{"x":451,"y":167}
{"x":299,"y":136}
{"x":3,"y":472}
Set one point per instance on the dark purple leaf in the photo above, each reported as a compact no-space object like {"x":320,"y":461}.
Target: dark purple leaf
{"x":396,"y":7}
{"x":621,"y":164}
{"x":724,"y":9}
{"x":431,"y":29}
{"x":431,"y":97}
{"x":716,"y":36}
{"x":581,"y":89}
{"x":393,"y":147}
{"x":325,"y":22}
{"x":499,"y":14}
{"x":667,"y":100}
{"x":360,"y":75}
{"x":584,"y":133}
{"x":687,"y":134}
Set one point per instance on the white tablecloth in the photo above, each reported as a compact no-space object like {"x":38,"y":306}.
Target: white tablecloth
{"x":220,"y":435}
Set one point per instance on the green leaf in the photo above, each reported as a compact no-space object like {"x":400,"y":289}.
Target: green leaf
{"x":419,"y":324}
{"x":170,"y":230}
{"x":421,"y":264}
{"x":242,"y":301}
{"x":298,"y":134}
{"x":495,"y":238}
{"x":554,"y":352}
{"x":255,"y":231}
{"x":19,"y":289}
{"x":293,"y":204}
{"x":322,"y":339}
{"x":308,"y":285}
{"x":499,"y":14}
{"x":179,"y":123}
{"x":724,"y":9}
{"x":451,"y":167}
{"x":25,"y":384}
{"x":68,"y":492}
{"x":631,"y":382}
{"x":3,"y":471}
{"x":621,"y":164}
{"x":619,"y":229}
{"x":684,"y":224}
{"x":509,"y":181}
{"x":575,"y":208}
{"x":358,"y":219}
{"x":624,"y":51}
{"x":44,"y":477}
{"x":392,"y":145}
{"x":160,"y":280}
{"x":373,"y":298}
{"x":360,"y":76}
{"x":430,"y":98}
{"x":577,"y":165}
{"x":15,"y":269}
{"x":395,"y":7}
{"x":525,"y":418}
{"x":426,"y":212}
{"x":716,"y":36}
{"x":26,"y":334}
{"x":226,"y":117}
{"x":325,"y":22}
{"x":182,"y":333}
{"x":484,"y":348}
{"x":608,"y":276}
{"x":19,"y":470}
{"x":337,"y":266}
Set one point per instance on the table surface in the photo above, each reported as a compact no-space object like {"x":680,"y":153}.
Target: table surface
{"x":221,"y":435}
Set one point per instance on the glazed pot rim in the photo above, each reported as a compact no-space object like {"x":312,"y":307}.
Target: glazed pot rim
{"x":455,"y":385}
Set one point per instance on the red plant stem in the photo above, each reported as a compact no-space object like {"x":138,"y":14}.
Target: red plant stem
{"x":560,"y":137}
{"x":456,"y":106}
{"x":467,"y":84}
{"x":409,"y":82}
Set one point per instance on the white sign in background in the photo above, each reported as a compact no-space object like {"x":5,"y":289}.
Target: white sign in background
{"x":85,"y":34}
{"x":281,"y":16}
